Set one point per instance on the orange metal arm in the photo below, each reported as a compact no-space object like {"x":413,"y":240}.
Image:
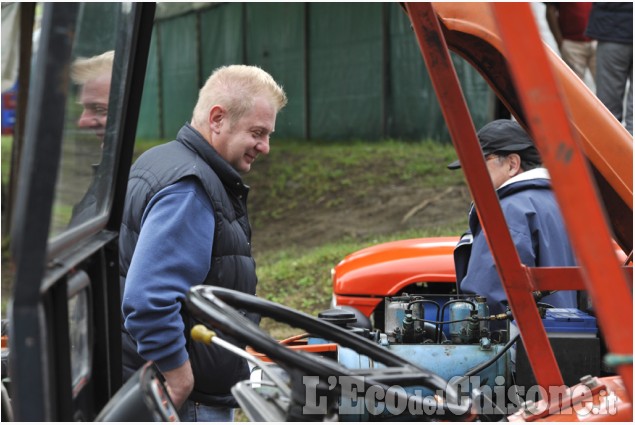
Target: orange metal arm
{"x":550,"y":128}
{"x":471,"y":31}
{"x":517,"y":282}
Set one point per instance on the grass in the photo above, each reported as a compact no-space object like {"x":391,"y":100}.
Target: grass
{"x":315,"y":172}
{"x":5,"y":160}
{"x":7,"y":141}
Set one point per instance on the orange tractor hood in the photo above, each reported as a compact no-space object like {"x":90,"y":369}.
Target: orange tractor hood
{"x":384,"y":269}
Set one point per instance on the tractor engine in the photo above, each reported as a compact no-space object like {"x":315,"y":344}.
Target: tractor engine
{"x":447,"y":335}
{"x":456,"y":338}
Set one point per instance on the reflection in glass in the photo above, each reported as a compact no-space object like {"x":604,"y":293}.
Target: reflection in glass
{"x":83,"y":186}
{"x":78,"y":325}
{"x":93,"y":76}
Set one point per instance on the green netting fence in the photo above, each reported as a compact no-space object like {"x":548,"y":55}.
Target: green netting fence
{"x":350,"y":70}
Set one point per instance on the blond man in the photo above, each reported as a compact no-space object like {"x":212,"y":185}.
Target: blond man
{"x":185,"y":223}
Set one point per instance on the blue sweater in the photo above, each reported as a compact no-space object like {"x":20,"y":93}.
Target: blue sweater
{"x":172,"y":254}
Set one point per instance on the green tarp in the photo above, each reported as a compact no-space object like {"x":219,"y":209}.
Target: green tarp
{"x":350,"y":70}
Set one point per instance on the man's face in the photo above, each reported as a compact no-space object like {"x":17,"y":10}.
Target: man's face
{"x":94,"y":99}
{"x":240,"y":142}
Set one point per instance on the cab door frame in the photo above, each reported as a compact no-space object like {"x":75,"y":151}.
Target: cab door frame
{"x":50,"y":271}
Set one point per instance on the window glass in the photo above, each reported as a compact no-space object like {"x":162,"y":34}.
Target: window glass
{"x":83,"y":187}
{"x":80,"y":339}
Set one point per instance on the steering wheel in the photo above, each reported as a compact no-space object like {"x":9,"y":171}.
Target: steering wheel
{"x":217,"y":307}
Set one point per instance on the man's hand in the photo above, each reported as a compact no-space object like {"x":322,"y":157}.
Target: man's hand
{"x":554,"y":26}
{"x":180,"y":383}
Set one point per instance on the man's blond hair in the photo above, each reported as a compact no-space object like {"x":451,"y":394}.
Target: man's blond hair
{"x":235,"y":87}
{"x":86,"y":69}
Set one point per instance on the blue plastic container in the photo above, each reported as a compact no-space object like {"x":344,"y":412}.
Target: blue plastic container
{"x":569,"y":321}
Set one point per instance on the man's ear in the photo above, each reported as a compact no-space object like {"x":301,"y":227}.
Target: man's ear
{"x":216,"y":116}
{"x":514,"y":163}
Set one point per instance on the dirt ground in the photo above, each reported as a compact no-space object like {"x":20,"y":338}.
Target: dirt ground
{"x":390,"y":210}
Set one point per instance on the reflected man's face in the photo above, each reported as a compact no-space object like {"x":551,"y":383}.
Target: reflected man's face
{"x":94,"y":100}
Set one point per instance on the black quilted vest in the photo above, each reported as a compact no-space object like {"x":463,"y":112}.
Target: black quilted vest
{"x":190,"y":155}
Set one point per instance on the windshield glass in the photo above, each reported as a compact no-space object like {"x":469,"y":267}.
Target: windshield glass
{"x":83,"y":188}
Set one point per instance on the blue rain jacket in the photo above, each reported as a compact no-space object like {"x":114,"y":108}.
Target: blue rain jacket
{"x":538,"y":231}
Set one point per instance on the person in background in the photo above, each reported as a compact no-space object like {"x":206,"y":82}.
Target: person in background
{"x":531,"y":213}
{"x":567,"y":22}
{"x":185,"y":223}
{"x":611,"y":24}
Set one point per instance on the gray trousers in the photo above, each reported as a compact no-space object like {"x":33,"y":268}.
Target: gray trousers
{"x":614,"y":68}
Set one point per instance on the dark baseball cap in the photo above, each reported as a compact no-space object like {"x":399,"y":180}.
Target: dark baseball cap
{"x":504,"y":136}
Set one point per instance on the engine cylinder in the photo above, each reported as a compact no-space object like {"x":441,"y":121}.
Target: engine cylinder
{"x":459,"y":318}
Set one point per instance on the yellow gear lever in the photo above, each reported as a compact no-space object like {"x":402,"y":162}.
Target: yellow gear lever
{"x":200,"y":333}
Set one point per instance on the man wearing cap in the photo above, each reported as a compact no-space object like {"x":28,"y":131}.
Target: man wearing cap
{"x":530,"y":209}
